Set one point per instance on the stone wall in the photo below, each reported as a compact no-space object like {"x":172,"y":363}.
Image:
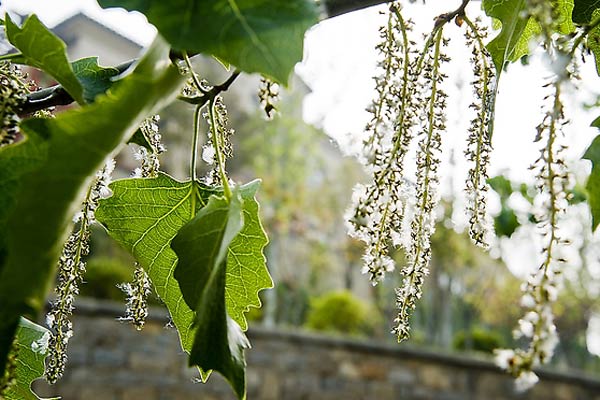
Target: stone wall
{"x":111,"y":361}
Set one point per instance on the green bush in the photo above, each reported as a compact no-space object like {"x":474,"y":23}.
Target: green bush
{"x":102,"y":277}
{"x":480,"y":340}
{"x":341,"y":312}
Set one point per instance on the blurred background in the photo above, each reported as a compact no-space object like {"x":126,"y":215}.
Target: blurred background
{"x":471,"y":298}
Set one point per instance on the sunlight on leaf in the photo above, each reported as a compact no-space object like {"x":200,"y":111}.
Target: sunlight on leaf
{"x":507,"y":46}
{"x":32,"y":347}
{"x":145,"y":212}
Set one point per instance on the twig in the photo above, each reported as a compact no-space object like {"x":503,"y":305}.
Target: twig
{"x":55,"y":95}
{"x":447,"y":17}
{"x":212,"y":93}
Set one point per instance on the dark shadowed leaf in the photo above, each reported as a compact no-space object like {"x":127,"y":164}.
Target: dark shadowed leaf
{"x":584,"y":10}
{"x":264,"y":36}
{"x":94,"y":78}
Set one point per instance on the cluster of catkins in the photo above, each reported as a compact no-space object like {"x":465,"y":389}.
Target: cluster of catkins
{"x":390,"y":210}
{"x":219,"y":137}
{"x":13,"y":94}
{"x":71,"y":267}
{"x":72,"y":264}
{"x":540,"y":290}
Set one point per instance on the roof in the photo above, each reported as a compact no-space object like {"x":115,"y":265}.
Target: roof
{"x":64,"y":30}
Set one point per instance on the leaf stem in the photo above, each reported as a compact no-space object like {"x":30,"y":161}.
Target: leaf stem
{"x":194,"y":158}
{"x":188,"y":63}
{"x":10,"y":56}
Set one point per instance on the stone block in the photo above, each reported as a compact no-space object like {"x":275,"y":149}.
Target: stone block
{"x":348,"y":370}
{"x":176,"y":394}
{"x":550,"y":390}
{"x":111,"y":361}
{"x":77,"y":355}
{"x":381,"y":390}
{"x":270,"y":387}
{"x":113,"y":357}
{"x":104,"y":392}
{"x":490,"y":385}
{"x":140,"y":393}
{"x":373,"y":370}
{"x":437,"y":378}
{"x":402,"y":375}
{"x":155,"y":361}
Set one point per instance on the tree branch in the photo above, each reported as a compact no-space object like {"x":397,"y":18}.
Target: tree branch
{"x":55,"y":95}
{"x":447,"y":17}
{"x":333,"y":8}
{"x":212,"y":93}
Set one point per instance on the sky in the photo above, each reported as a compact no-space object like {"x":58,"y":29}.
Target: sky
{"x":339,"y":63}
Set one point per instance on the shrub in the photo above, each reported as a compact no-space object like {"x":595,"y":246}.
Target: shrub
{"x":341,"y":312}
{"x":477,"y":339}
{"x":102,"y":277}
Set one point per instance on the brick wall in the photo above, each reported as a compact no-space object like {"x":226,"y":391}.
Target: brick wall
{"x":111,"y":361}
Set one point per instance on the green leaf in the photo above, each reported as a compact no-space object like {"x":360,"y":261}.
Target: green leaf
{"x":593,"y":184}
{"x":564,"y":9}
{"x":203,"y":243}
{"x":140,"y":139}
{"x":202,"y":247}
{"x":94,"y":78}
{"x":144,"y":215}
{"x":506,"y":223}
{"x":502,"y":186}
{"x":264,"y":36}
{"x":42,"y":49}
{"x":15,"y":161}
{"x":508,"y":45}
{"x":530,"y":33}
{"x":517,"y":32}
{"x":593,"y":42}
{"x":76,"y":144}
{"x":247,"y":272}
{"x":584,"y":10}
{"x":32,"y":347}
